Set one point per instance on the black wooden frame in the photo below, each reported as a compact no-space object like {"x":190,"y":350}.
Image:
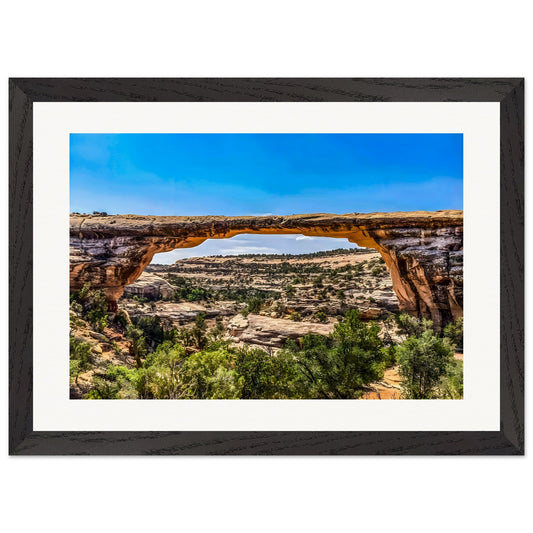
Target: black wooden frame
{"x":508,"y":92}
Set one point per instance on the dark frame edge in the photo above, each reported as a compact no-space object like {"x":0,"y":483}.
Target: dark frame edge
{"x":512,"y":256}
{"x":313,"y":443}
{"x":20,"y":265}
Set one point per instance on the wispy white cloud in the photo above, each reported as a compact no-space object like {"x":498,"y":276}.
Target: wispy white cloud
{"x":240,"y":250}
{"x":255,"y":244}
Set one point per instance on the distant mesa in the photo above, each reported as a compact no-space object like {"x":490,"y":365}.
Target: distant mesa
{"x":422,"y":249}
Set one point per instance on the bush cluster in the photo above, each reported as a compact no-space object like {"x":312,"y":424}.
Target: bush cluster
{"x":196,"y":363}
{"x":337,"y":366}
{"x":92,"y":305}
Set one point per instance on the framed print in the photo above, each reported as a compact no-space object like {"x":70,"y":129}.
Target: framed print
{"x":266,"y":266}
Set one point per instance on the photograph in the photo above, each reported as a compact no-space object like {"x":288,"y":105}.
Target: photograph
{"x":266,"y":266}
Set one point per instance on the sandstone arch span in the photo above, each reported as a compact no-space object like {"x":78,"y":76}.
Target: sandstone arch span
{"x":423,"y":250}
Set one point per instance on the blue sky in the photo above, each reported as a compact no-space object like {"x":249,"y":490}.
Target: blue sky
{"x":254,"y":174}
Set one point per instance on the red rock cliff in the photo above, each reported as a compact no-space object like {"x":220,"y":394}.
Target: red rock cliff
{"x":423,"y":250}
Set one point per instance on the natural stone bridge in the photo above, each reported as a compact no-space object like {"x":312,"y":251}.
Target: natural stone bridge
{"x":423,"y":250}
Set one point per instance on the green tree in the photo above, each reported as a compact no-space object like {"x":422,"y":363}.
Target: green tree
{"x":454,"y":332}
{"x":116,"y":348}
{"x":341,"y":365}
{"x":138,"y":346}
{"x":94,"y":306}
{"x":410,"y":325}
{"x":152,"y":329}
{"x":163,"y":376}
{"x":103,"y":389}
{"x":450,"y":385}
{"x":211,"y":375}
{"x":318,"y":282}
{"x":377,"y":271}
{"x":264,"y":376}
{"x":80,"y":358}
{"x":119,"y":382}
{"x":198,"y":332}
{"x":254,"y":304}
{"x":217,"y":332}
{"x":321,"y":316}
{"x":290,"y":291}
{"x":423,"y":361}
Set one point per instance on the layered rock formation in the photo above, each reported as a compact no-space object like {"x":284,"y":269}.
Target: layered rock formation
{"x":150,"y":286}
{"x":265,"y":331}
{"x":180,"y":313}
{"x":423,"y":250}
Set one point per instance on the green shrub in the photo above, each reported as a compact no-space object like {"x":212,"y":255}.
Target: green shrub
{"x":450,"y":385}
{"x":377,"y":271}
{"x":211,"y":375}
{"x":410,"y":325}
{"x":290,"y":291}
{"x":103,"y":390}
{"x":295,"y":316}
{"x":218,"y":331}
{"x":94,"y":306}
{"x":163,"y":373}
{"x":318,"y":282}
{"x":138,"y":346}
{"x":80,"y":358}
{"x":389,"y":356}
{"x":262,"y":376}
{"x":321,"y":316}
{"x":423,"y":360}
{"x":254,"y":304}
{"x":199,"y":331}
{"x":454,"y":332}
{"x":342,"y":364}
{"x":116,"y":348}
{"x":76,"y":306}
{"x":152,"y":329}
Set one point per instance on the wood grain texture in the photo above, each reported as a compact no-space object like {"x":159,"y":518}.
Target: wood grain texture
{"x":20,"y":265}
{"x":266,"y":89}
{"x":23,"y":92}
{"x":512,"y":265}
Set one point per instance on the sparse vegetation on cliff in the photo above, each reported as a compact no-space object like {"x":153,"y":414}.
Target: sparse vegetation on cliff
{"x":92,"y":305}
{"x":139,"y":353}
{"x":200,"y":363}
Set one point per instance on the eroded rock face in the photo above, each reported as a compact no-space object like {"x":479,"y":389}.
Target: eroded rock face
{"x":260,"y":330}
{"x":150,"y":286}
{"x":423,"y":250}
{"x":180,"y":313}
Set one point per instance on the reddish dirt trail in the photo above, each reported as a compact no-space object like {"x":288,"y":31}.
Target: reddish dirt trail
{"x":386,"y":389}
{"x":389,"y":387}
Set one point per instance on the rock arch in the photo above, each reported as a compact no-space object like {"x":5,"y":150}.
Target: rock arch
{"x":423,"y":250}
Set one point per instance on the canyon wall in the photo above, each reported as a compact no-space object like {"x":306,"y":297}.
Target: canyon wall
{"x":423,"y":250}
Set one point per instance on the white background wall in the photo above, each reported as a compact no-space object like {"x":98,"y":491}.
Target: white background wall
{"x":276,"y":38}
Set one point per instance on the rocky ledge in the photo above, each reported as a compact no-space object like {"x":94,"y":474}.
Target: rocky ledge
{"x":423,"y":250}
{"x":261,"y":331}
